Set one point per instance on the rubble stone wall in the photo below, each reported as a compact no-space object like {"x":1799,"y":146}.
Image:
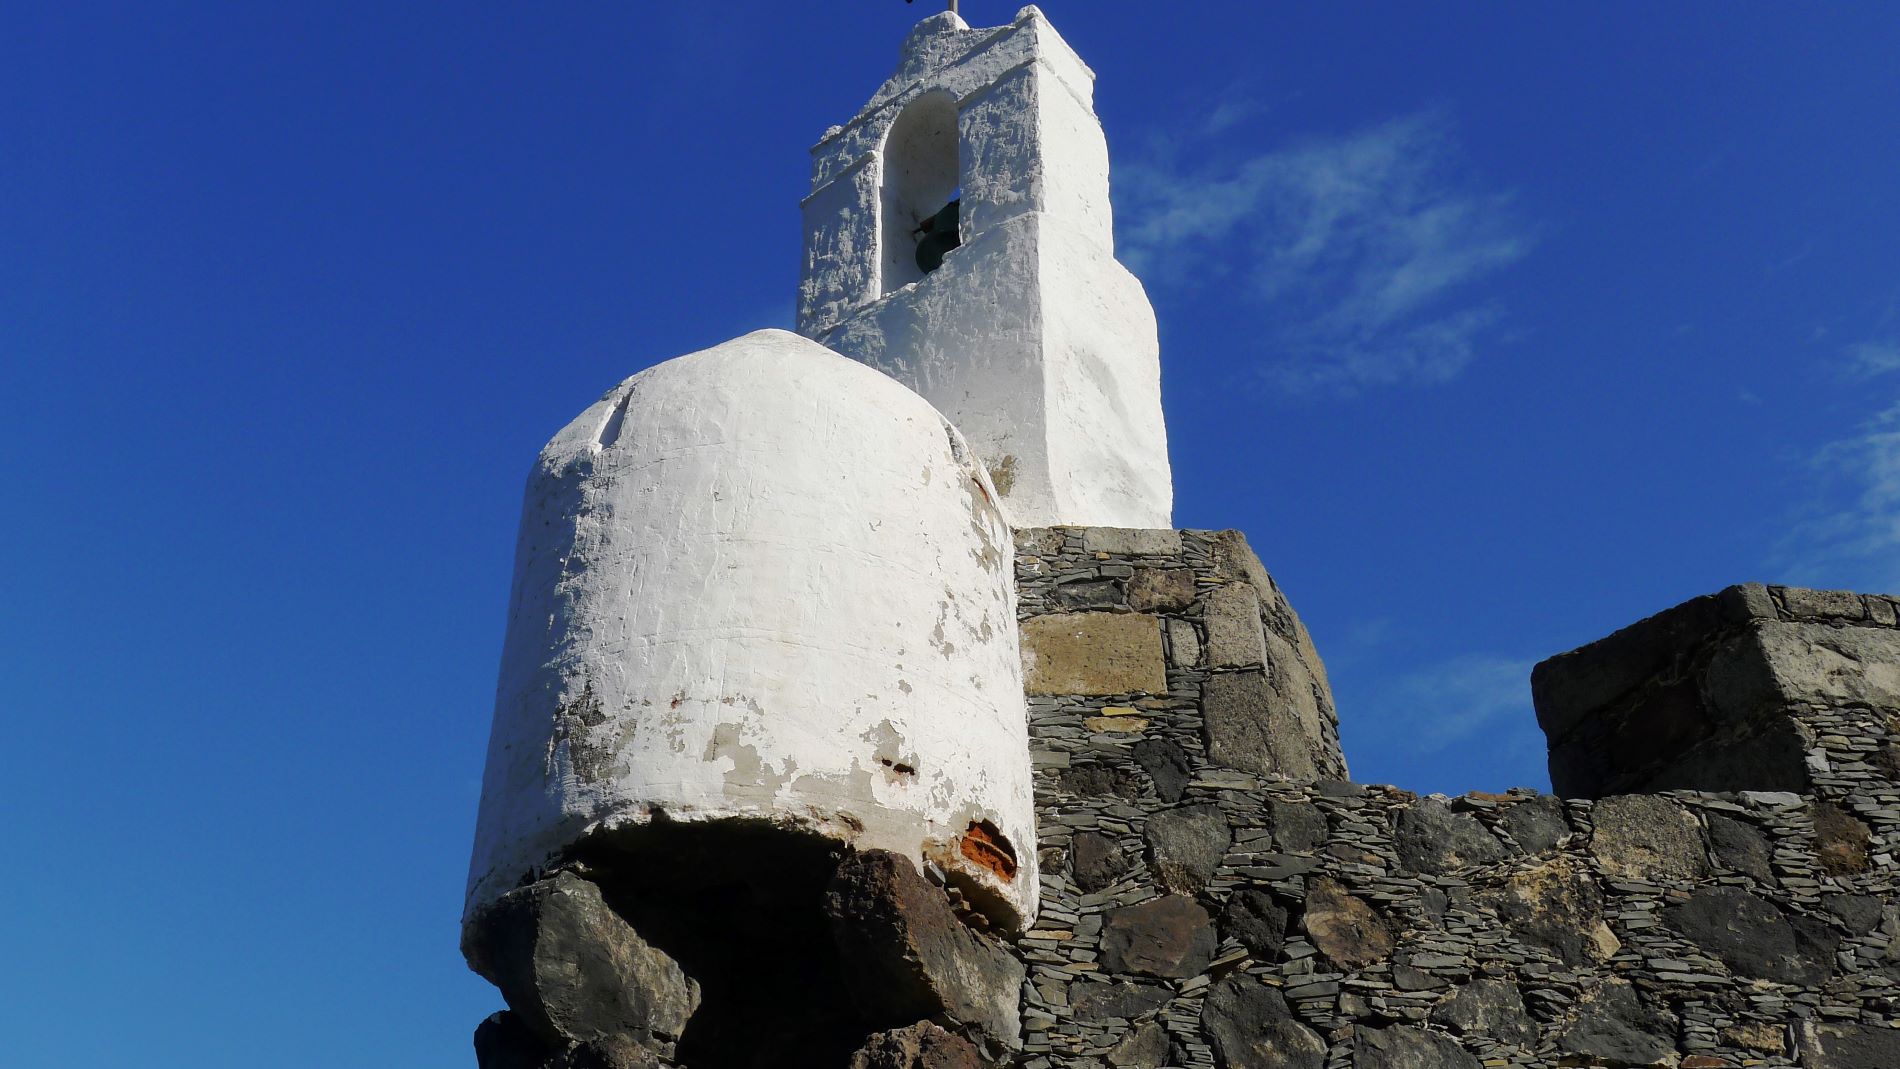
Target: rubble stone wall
{"x":1205,"y":906}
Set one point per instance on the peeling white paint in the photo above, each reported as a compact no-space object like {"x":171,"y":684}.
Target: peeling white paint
{"x":760,"y":581}
{"x":1031,"y":337}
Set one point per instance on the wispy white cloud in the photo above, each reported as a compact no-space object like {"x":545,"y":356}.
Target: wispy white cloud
{"x":1453,"y":700}
{"x":1873,"y":357}
{"x":1359,"y":250}
{"x":1852,"y":535}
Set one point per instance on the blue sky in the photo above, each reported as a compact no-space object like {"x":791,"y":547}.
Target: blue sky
{"x":1494,"y":328}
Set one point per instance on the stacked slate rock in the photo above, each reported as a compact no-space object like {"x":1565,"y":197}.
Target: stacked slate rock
{"x":1208,"y":902}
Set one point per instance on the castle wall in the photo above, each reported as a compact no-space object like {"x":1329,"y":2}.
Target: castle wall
{"x":1194,"y":914}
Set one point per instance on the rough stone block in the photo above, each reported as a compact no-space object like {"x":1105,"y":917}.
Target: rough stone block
{"x":1132,"y":541}
{"x":909,"y":957}
{"x":1186,"y":845}
{"x":1144,"y":1048}
{"x":1251,"y":1026}
{"x":1715,"y":694}
{"x":1093,"y":653}
{"x":1161,"y":589}
{"x":1257,"y":922}
{"x":573,"y":971}
{"x":1251,"y":725}
{"x":1235,"y":638}
{"x":1647,"y":837}
{"x":1753,"y":937}
{"x":1405,"y":1047}
{"x":1617,"y":1025}
{"x":1434,"y":839}
{"x":1168,"y":938}
{"x":921,"y":1046}
{"x":1349,"y":932}
{"x":1489,"y":1006}
{"x":1849,"y":1046}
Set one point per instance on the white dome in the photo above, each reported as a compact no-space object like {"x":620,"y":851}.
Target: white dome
{"x":763,"y":581}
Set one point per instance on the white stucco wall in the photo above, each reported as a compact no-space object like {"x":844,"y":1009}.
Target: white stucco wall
{"x":761,"y":581}
{"x":1031,"y":338}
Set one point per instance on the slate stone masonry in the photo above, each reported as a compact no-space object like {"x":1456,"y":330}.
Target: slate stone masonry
{"x":1208,"y":904}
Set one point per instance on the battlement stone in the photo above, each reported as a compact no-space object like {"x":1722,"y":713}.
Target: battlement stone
{"x":1752,"y":688}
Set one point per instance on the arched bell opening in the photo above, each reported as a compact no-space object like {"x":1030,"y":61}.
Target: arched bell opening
{"x":921,"y":176}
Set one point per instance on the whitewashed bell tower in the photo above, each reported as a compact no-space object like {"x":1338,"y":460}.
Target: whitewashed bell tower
{"x":1030,"y":337}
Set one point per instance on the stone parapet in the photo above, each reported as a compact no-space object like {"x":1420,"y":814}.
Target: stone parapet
{"x":1752,"y":688}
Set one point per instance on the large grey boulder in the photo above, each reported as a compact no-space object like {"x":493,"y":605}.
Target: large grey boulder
{"x":1251,"y":1027}
{"x":1404,"y":1047}
{"x":1186,"y":845}
{"x":1169,"y":938}
{"x":1616,"y":1026}
{"x":1489,"y":1006}
{"x":1433,"y":838}
{"x":1849,"y":1046}
{"x":1753,"y":937}
{"x":908,"y":957}
{"x":573,"y":971}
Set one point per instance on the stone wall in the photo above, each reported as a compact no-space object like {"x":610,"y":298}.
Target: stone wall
{"x":1762,"y":688}
{"x":1213,"y":906}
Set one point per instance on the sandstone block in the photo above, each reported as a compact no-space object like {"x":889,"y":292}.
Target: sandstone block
{"x":1132,"y":541}
{"x":909,"y":957}
{"x":1093,"y":653}
{"x":1161,"y":589}
{"x":1184,"y":644}
{"x":1349,"y":932}
{"x":1647,"y":837}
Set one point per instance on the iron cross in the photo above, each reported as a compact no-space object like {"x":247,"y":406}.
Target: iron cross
{"x":953,"y":5}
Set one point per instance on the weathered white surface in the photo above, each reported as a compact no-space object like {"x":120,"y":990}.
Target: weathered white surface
{"x":761,"y":581}
{"x":1035,"y":342}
